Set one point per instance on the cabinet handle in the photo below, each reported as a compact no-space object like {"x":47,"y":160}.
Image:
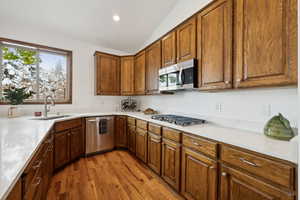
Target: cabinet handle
{"x":248,"y":162}
{"x":39,"y":179}
{"x":227,"y":82}
{"x":238,"y":80}
{"x":196,"y":143}
{"x":224,"y":174}
{"x":37,"y":165}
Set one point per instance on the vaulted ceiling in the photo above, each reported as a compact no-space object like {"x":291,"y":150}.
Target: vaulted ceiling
{"x":91,"y":20}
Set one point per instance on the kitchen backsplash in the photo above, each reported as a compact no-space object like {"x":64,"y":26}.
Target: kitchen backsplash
{"x":244,"y":109}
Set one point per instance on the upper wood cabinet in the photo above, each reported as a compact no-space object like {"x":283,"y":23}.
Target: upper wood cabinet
{"x":214,"y":46}
{"x":153,"y":64}
{"x":127,"y":75}
{"x":107,"y":74}
{"x":168,"y":49}
{"x":265,"y":42}
{"x":186,"y":40}
{"x":140,"y":73}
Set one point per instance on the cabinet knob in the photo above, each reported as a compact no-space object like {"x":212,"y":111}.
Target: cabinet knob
{"x":224,"y":174}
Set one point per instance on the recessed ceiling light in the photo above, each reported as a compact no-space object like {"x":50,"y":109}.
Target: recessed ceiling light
{"x":116,"y":18}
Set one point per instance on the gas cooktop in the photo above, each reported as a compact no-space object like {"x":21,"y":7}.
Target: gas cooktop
{"x":178,"y":120}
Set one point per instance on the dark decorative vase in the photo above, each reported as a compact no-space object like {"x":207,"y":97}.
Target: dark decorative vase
{"x":279,"y":128}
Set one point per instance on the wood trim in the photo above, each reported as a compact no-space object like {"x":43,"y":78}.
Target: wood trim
{"x":69,"y":54}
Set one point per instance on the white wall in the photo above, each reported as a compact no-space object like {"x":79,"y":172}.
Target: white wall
{"x":246,"y":109}
{"x":83,"y":68}
{"x":181,"y":11}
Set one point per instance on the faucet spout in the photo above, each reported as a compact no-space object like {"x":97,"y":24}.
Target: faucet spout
{"x":47,"y":109}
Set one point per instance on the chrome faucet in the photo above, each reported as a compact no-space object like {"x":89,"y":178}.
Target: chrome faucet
{"x":47,"y":108}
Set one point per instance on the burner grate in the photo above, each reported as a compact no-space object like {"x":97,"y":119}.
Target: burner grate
{"x":178,"y":120}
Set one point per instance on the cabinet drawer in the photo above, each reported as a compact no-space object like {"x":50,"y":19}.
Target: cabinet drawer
{"x":274,"y":171}
{"x":172,"y":134}
{"x":154,"y":137}
{"x":153,"y":128}
{"x":131,"y":121}
{"x":141,"y":124}
{"x":61,"y":126}
{"x":199,"y":144}
{"x":141,"y":132}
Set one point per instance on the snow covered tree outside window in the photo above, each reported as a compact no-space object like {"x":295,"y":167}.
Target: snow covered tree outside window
{"x":43,"y":71}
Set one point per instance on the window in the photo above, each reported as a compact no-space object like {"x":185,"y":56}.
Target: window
{"x":43,"y":70}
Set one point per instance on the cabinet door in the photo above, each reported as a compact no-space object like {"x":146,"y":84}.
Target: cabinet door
{"x":153,"y":64}
{"x":168,"y":49}
{"x":16,"y":192}
{"x":140,"y":73}
{"x":131,"y":138}
{"x":47,"y":170}
{"x":107,"y":74}
{"x":171,"y":163}
{"x":236,"y":185}
{"x":186,"y":40}
{"x":215,"y":46}
{"x":121,"y":130}
{"x":61,"y":149}
{"x":266,"y":42}
{"x":141,"y":144}
{"x":76,"y":143}
{"x":154,"y":152}
{"x":127,"y":75}
{"x":199,"y":176}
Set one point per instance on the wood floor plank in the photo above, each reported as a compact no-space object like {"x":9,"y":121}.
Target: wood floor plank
{"x":114,"y":175}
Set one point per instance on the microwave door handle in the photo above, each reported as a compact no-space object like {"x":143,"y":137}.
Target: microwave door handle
{"x":180,"y":78}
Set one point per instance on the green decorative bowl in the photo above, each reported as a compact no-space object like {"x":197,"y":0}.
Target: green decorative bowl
{"x":279,"y":128}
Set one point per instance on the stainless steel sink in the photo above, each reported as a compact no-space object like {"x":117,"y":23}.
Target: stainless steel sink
{"x":50,"y":117}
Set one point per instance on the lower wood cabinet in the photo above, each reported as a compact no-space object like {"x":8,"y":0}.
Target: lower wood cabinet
{"x":131,"y":138}
{"x":16,"y":192}
{"x":199,"y":176}
{"x":141,"y":144}
{"x":61,"y":155}
{"x":120,"y":131}
{"x":68,"y":142}
{"x":171,"y":163}
{"x":154,"y":152}
{"x":237,"y":185}
{"x":76,"y":143}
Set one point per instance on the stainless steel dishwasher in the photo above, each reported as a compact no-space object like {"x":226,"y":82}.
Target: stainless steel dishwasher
{"x":99,"y":134}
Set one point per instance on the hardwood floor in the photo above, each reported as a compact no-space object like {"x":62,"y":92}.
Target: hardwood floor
{"x":114,"y":175}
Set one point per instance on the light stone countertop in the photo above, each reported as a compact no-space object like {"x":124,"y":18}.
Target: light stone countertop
{"x":21,"y":137}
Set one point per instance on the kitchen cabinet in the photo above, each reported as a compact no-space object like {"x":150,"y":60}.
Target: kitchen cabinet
{"x":153,"y":64}
{"x":265,"y":43}
{"x":127,"y":75}
{"x":171,"y":161}
{"x":214,"y":46}
{"x":140,"y":73}
{"x":68,"y":142}
{"x":62,"y":146}
{"x":141,"y":144}
{"x":235,"y":184}
{"x":131,"y":138}
{"x":121,"y":131}
{"x":154,"y":152}
{"x":186,"y":40}
{"x":37,"y":175}
{"x":168,"y":49}
{"x":76,"y":143}
{"x":16,"y":192}
{"x":199,"y":176}
{"x":107,"y":74}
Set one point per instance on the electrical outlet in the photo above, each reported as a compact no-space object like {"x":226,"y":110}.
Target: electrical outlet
{"x":219,"y":107}
{"x":267,"y":110}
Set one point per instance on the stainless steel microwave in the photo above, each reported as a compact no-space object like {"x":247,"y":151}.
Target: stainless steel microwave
{"x":179,"y":76}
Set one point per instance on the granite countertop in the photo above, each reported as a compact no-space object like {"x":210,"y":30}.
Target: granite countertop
{"x":21,"y":137}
